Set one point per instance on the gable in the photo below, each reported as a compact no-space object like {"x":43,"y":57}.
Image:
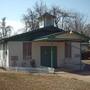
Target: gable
{"x":63,"y":36}
{"x":69,"y":36}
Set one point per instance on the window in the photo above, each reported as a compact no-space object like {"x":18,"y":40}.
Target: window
{"x":68,"y":49}
{"x":14,"y":60}
{"x":27,"y":48}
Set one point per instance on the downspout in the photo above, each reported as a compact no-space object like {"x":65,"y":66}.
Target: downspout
{"x":52,"y":56}
{"x":80,"y":58}
{"x":3,"y":54}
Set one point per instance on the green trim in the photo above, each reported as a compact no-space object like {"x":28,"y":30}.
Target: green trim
{"x":52,"y":37}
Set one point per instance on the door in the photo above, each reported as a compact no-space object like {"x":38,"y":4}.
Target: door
{"x":54,"y":56}
{"x":45,"y":56}
{"x":49,"y":56}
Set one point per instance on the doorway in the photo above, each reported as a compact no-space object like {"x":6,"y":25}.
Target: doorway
{"x":49,"y":56}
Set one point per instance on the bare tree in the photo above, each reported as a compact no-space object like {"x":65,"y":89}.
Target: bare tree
{"x":30,"y":20}
{"x":74,"y":21}
{"x":69,"y":20}
{"x":40,"y":8}
{"x":56,"y":11}
{"x":64,"y":19}
{"x":87,"y":29}
{"x":5,"y":31}
{"x":60,"y":14}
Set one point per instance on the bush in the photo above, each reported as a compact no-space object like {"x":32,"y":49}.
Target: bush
{"x":32,"y":62}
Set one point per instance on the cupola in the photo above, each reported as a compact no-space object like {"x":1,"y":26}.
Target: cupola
{"x":46,"y":20}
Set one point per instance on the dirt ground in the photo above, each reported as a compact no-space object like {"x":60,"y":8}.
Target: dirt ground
{"x":43,"y":81}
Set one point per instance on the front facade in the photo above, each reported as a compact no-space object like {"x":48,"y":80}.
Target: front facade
{"x":46,"y":47}
{"x":55,"y":53}
{"x":41,"y":53}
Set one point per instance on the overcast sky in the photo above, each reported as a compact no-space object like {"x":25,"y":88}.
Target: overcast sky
{"x":14,"y":9}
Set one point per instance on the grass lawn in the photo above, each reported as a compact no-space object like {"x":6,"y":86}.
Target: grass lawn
{"x":19,"y":81}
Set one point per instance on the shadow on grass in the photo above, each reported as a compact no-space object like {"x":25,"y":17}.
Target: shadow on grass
{"x":84,"y":72}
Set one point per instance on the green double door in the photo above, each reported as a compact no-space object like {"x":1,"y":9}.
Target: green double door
{"x":49,"y":56}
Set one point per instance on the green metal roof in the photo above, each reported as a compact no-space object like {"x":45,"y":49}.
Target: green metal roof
{"x":50,"y":33}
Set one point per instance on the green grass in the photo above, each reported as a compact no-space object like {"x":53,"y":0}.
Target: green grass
{"x":19,"y":81}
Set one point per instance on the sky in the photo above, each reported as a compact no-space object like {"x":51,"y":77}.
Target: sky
{"x":14,"y":9}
